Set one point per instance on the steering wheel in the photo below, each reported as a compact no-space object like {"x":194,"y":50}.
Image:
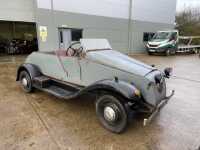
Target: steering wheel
{"x":76,"y":51}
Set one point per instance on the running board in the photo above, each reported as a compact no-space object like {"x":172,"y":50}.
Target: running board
{"x":59,"y":92}
{"x":42,"y":81}
{"x":57,"y":89}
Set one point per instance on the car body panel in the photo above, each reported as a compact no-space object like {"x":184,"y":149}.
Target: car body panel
{"x":48,"y":64}
{"x":62,"y":68}
{"x":72,"y":69}
{"x":114,"y":59}
{"x":101,"y":65}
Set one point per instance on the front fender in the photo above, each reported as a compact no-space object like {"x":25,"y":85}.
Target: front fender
{"x":125,"y":89}
{"x":33,"y":70}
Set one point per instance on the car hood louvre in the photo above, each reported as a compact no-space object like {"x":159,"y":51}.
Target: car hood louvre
{"x":119,"y":61}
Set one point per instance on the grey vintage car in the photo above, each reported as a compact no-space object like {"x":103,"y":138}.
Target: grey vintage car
{"x":121,"y":84}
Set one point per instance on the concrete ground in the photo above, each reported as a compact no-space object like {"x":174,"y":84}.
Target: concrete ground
{"x":39,"y":121}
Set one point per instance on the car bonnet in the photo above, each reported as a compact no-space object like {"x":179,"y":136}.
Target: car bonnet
{"x":158,"y":41}
{"x":119,"y":61}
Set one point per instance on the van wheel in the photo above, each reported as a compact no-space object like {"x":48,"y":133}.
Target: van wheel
{"x":25,"y":81}
{"x":112,"y":113}
{"x":150,"y":53}
{"x":168,"y":52}
{"x":173,"y":51}
{"x":194,"y":51}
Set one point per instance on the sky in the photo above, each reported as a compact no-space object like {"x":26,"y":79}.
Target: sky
{"x":181,"y":4}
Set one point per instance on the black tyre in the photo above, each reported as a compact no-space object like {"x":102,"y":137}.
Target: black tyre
{"x":194,"y":51}
{"x":150,"y":53}
{"x":26,"y":81}
{"x":173,"y":52}
{"x":112,"y":113}
{"x":168,"y":52}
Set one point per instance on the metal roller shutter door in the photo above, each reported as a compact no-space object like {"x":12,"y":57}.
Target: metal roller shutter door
{"x":17,"y":10}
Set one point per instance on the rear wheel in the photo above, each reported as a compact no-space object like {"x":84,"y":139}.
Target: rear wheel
{"x":194,"y":51}
{"x":25,"y":81}
{"x":112,"y":113}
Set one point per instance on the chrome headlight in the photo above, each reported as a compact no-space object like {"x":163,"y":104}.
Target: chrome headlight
{"x":158,"y":78}
{"x":168,"y":72}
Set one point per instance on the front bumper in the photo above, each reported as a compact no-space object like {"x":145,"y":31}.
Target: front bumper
{"x":156,"y":50}
{"x":157,"y":109}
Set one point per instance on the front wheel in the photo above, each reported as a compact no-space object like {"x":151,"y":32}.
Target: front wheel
{"x":25,"y":81}
{"x":150,"y":53}
{"x":112,"y":113}
{"x":174,"y":51}
{"x":168,"y":52}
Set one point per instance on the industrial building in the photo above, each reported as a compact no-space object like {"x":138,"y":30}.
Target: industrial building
{"x":127,"y":24}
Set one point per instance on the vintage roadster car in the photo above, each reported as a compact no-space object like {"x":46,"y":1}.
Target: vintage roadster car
{"x":121,"y":84}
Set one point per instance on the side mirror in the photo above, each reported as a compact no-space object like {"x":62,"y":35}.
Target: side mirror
{"x":168,"y":72}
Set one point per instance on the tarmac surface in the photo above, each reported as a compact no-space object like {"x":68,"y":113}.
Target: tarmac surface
{"x":39,"y":121}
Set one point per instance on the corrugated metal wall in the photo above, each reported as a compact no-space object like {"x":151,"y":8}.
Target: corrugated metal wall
{"x":17,"y":10}
{"x":105,"y":19}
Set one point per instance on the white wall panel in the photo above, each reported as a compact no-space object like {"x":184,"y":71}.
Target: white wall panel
{"x":45,"y":4}
{"x":161,"y":11}
{"x":108,"y":8}
{"x":17,"y":10}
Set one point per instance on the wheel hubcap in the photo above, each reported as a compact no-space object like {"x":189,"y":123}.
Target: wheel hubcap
{"x":24,"y":82}
{"x":110,"y":114}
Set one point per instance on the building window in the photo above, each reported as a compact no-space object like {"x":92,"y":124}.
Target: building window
{"x":61,"y":37}
{"x":147,"y":36}
{"x":76,"y":34}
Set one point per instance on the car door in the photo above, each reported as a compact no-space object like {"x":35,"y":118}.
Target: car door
{"x":70,"y":64}
{"x":62,"y":67}
{"x":72,"y":69}
{"x":52,"y":66}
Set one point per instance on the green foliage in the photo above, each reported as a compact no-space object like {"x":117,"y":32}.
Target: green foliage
{"x":188,"y":23}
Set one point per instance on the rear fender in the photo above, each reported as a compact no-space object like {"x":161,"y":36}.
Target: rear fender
{"x":33,"y":70}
